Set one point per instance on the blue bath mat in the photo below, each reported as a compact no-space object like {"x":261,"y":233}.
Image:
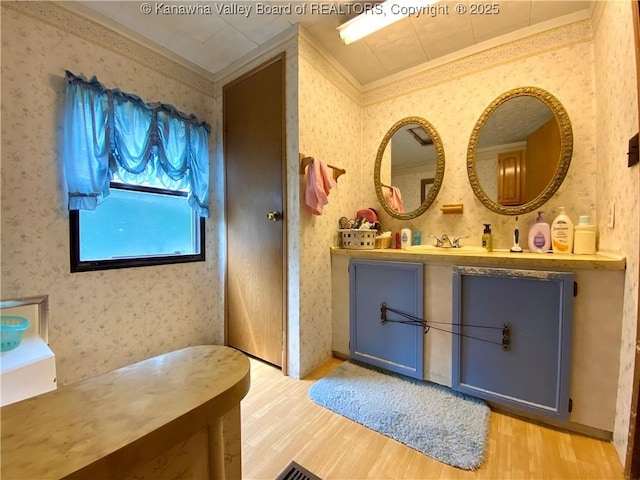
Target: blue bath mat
{"x":432,"y":419}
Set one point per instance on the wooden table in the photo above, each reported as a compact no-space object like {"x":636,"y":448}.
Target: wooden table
{"x":176,"y":414}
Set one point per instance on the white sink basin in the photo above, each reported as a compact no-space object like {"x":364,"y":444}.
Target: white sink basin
{"x":452,"y":251}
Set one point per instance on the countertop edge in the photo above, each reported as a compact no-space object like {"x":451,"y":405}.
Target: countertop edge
{"x":599,"y":261}
{"x":222,"y":394}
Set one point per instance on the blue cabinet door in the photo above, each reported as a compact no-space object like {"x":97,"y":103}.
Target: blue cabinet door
{"x":533,"y":372}
{"x":393,"y":346}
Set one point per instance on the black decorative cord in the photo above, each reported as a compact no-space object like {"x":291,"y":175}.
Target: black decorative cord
{"x":419,"y":322}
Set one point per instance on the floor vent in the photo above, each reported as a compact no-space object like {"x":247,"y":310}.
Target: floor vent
{"x":296,"y":472}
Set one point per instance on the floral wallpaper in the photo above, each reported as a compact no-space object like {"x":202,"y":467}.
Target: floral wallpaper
{"x":98,"y":321}
{"x":325,"y":112}
{"x":617,"y":121}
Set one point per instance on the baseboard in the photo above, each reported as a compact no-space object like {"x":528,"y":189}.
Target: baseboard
{"x":552,"y":423}
{"x":340,"y":356}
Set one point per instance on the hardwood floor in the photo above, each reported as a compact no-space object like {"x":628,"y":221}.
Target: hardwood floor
{"x":280,"y":424}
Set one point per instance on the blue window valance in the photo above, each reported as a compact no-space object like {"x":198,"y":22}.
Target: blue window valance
{"x":108,"y":133}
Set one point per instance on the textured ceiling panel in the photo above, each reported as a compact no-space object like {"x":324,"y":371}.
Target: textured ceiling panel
{"x":215,"y":34}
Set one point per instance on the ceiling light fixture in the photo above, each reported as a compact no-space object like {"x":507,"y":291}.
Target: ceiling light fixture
{"x":380,"y":16}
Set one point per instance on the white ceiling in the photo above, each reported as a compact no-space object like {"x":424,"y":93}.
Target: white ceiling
{"x":407,"y":151}
{"x":514,"y":121}
{"x":213,"y":39}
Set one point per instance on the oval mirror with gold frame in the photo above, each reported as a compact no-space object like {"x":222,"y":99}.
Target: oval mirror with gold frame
{"x":520,"y":151}
{"x":409,"y":168}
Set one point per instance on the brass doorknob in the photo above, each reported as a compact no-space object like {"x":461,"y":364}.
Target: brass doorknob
{"x":274,"y":216}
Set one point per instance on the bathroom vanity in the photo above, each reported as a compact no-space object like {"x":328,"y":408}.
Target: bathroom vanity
{"x":564,"y":314}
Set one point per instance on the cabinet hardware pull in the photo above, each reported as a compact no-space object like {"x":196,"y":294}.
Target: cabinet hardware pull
{"x":506,"y":337}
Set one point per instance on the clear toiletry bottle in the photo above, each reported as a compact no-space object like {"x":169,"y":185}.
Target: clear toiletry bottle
{"x":540,"y":236}
{"x":487,"y":239}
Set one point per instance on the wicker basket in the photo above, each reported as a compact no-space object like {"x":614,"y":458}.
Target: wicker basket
{"x":358,"y":239}
{"x":384,"y":242}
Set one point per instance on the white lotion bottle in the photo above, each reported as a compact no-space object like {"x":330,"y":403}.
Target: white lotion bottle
{"x":584,"y":239}
{"x":405,"y":238}
{"x":562,"y":233}
{"x":540,"y":236}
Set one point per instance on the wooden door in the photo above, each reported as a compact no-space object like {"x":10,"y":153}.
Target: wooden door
{"x":542,"y":158}
{"x":254,"y":150}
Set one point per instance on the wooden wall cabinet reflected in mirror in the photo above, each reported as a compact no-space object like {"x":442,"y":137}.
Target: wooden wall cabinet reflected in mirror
{"x":524,"y":174}
{"x":511,"y":173}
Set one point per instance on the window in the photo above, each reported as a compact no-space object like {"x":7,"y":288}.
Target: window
{"x":138,"y":179}
{"x":136,"y":226}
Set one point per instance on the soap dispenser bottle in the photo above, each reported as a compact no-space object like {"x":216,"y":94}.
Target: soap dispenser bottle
{"x":562,"y":233}
{"x":540,"y":236}
{"x":487,"y":239}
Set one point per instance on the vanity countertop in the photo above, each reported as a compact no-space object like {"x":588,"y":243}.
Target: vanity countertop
{"x":61,"y":432}
{"x":496,"y":258}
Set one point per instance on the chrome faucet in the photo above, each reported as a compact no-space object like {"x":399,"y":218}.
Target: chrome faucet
{"x":445,"y":242}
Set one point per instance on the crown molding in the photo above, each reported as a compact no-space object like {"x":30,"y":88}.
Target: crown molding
{"x":279,"y":43}
{"x":329,"y":68}
{"x":69,"y":20}
{"x":530,"y":46}
{"x":76,"y":21}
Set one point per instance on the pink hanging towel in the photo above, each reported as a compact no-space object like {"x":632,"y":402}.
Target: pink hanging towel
{"x":319,"y":182}
{"x":394,"y":199}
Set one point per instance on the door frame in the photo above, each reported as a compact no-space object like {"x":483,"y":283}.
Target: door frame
{"x":284,"y":222}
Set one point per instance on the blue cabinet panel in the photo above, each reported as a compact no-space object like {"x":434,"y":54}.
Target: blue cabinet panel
{"x":392,"y":346}
{"x":533,"y":374}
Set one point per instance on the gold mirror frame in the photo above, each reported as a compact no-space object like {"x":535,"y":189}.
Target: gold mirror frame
{"x":437,"y":181}
{"x":566,"y":150}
